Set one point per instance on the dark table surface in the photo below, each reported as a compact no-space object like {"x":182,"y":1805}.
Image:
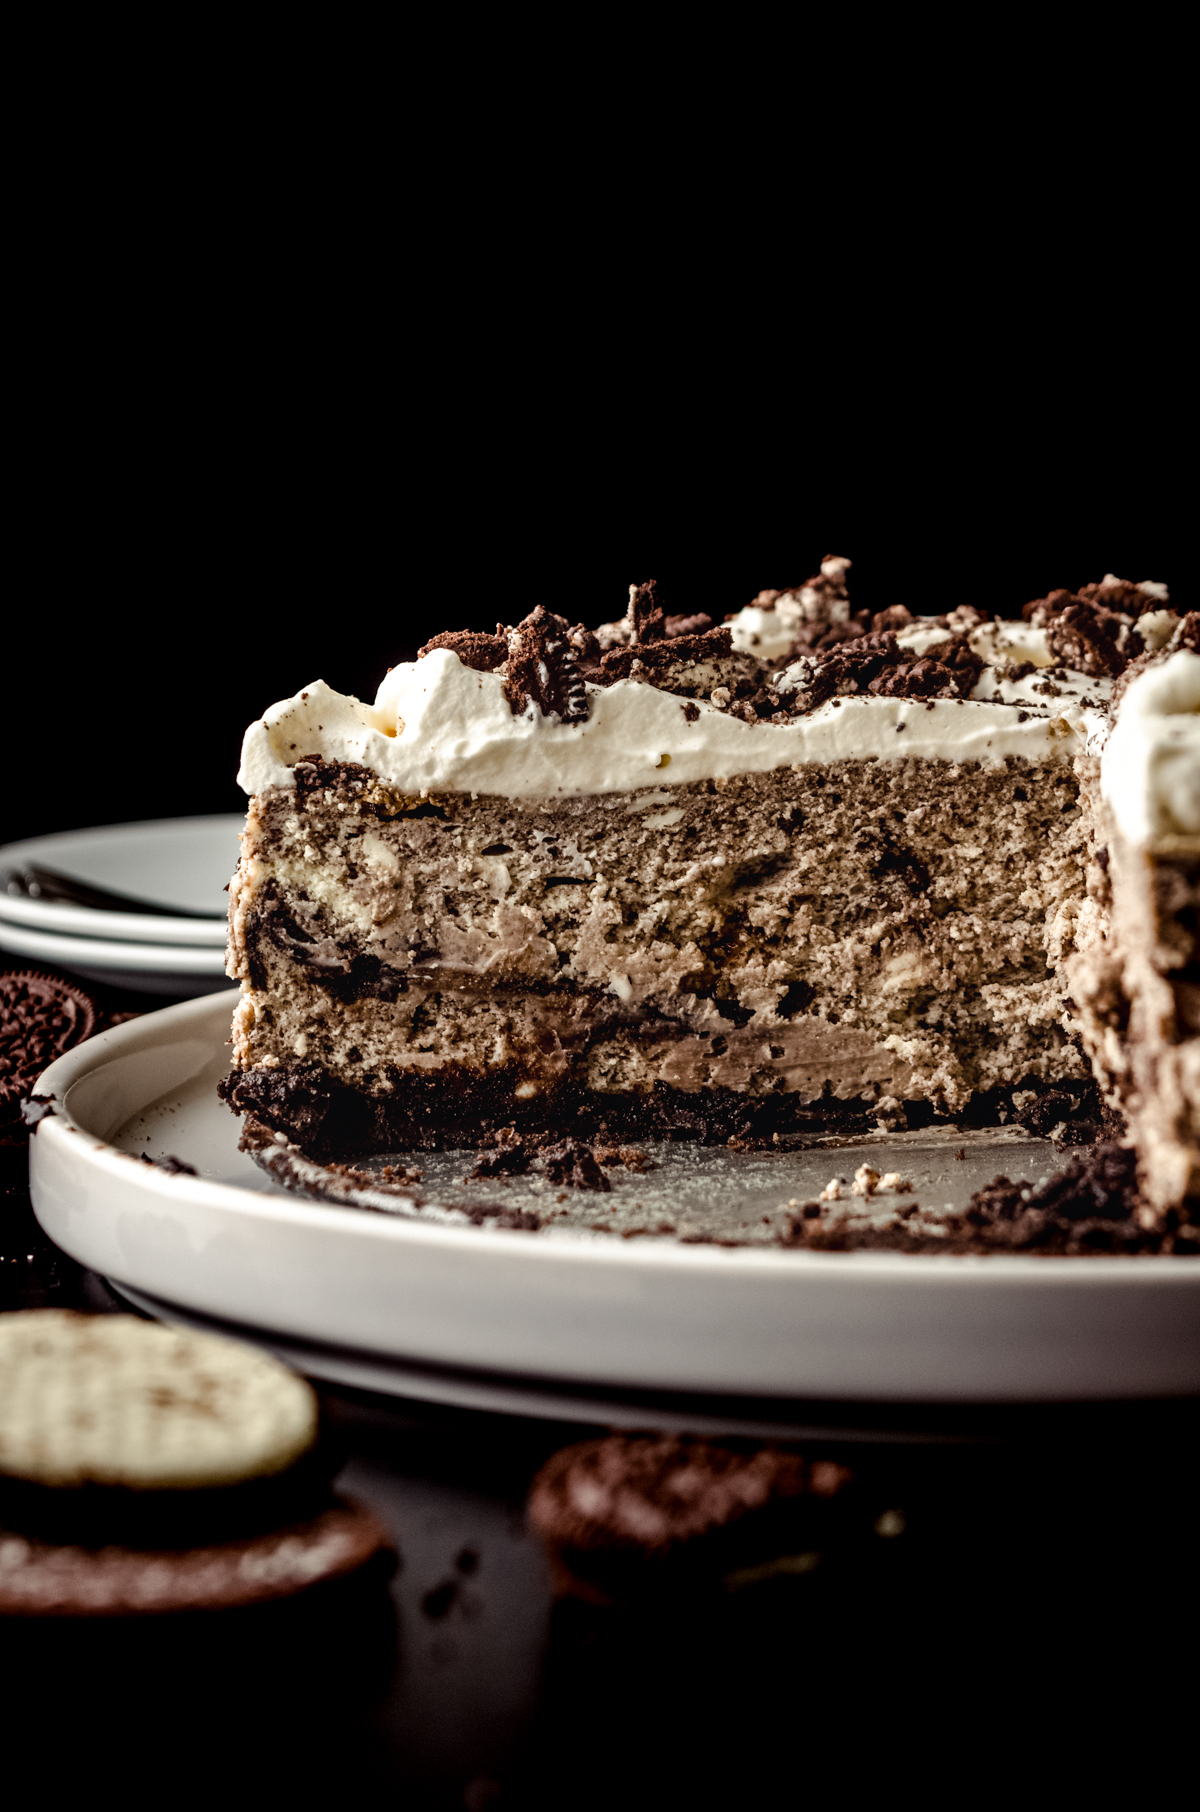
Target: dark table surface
{"x":1032,"y":1626}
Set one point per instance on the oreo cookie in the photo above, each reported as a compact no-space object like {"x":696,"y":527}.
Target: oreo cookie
{"x":41,"y":1016}
{"x":57,"y":1579}
{"x":630,"y":1518}
{"x":150,"y":1470}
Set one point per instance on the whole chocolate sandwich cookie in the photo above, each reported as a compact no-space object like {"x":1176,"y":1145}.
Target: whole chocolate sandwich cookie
{"x":41,"y":1016}
{"x":147,"y":1470}
{"x":629,"y":1517}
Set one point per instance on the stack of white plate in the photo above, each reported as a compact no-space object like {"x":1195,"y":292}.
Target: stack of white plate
{"x":183,"y":864}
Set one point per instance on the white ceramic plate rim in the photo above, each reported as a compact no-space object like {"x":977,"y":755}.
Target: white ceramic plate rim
{"x":125,"y":927}
{"x":955,"y":1271}
{"x":50,"y":916}
{"x":499,"y":1394}
{"x":107,"y":953}
{"x":570,"y":1306}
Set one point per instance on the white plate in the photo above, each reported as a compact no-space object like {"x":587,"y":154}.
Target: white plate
{"x":717,"y":1413}
{"x":591,"y":1310}
{"x":180,"y":862}
{"x":150,"y":968}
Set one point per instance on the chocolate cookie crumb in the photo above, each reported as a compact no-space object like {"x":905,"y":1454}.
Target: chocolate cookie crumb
{"x":645,"y":615}
{"x":543,"y":669}
{"x":1085,"y":638}
{"x":510,"y":1160}
{"x":697,"y":624}
{"x":473,"y":647}
{"x":875,"y":665}
{"x":573,"y":1163}
{"x":174,"y":1167}
{"x":662,"y":663}
{"x":1090,"y":1207}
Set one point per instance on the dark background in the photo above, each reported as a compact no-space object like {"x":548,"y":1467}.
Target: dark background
{"x":283,"y":409}
{"x":171,"y":596}
{"x":287,"y":395}
{"x":299,"y":375}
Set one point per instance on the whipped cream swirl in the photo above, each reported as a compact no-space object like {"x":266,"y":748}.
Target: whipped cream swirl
{"x":437,"y":726}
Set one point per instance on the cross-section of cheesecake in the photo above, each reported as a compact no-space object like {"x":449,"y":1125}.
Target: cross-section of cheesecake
{"x":681,"y":881}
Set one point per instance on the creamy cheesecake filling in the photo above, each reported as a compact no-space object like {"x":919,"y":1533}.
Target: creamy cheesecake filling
{"x":834,"y":933}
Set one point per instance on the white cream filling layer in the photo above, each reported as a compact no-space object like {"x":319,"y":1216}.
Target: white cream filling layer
{"x":1150,"y":770}
{"x":437,"y":726}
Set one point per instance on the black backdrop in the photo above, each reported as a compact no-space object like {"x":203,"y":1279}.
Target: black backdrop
{"x":170,"y":600}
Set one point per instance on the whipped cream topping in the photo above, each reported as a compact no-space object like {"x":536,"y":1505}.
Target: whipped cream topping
{"x":1006,"y":643}
{"x":1150,"y":769}
{"x":437,"y":726}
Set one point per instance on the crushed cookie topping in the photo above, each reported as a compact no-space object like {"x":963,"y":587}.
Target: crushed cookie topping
{"x":1092,"y":640}
{"x":875,"y":665}
{"x":697,"y":624}
{"x":544,"y":669}
{"x":895,"y":617}
{"x":963,"y":618}
{"x":764,"y":701}
{"x":1187,"y":635}
{"x":1093,"y":630}
{"x":586,"y":644}
{"x":837,"y":652}
{"x":827,"y":620}
{"x":821,"y":599}
{"x":667,"y":663}
{"x":1111,"y":597}
{"x":824,"y":598}
{"x":1125,"y":596}
{"x":818,"y":637}
{"x":1039,"y":611}
{"x":645,"y":616}
{"x":474,"y":648}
